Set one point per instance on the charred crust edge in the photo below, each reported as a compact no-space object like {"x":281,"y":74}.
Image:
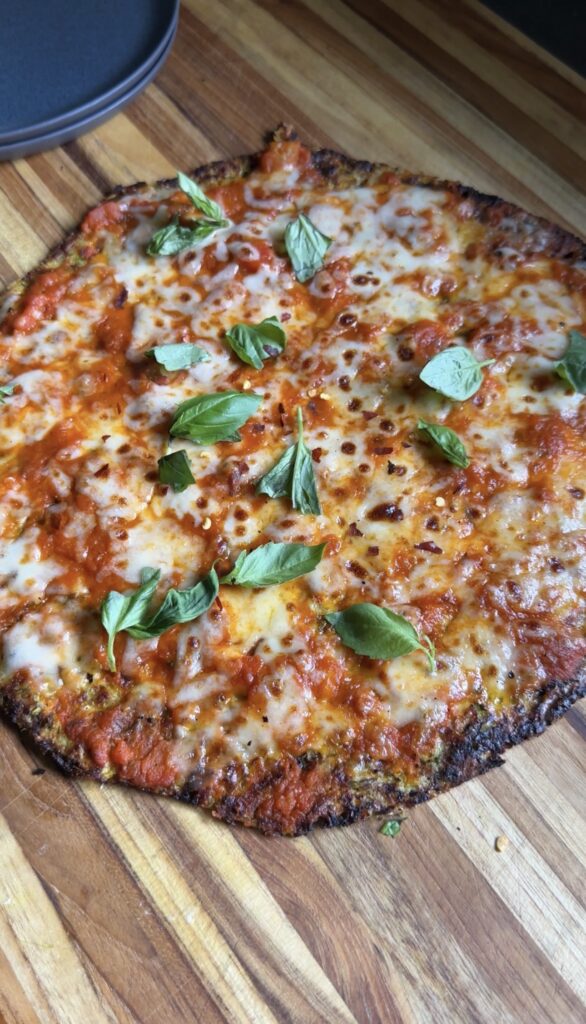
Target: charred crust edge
{"x":339,"y":800}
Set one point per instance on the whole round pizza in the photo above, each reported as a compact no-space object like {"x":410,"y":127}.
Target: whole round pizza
{"x":293,"y":487}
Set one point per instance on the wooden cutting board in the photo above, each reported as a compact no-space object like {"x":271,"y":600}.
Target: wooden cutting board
{"x":117,"y":907}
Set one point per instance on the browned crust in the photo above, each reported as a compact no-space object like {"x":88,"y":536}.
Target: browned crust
{"x":325,"y":794}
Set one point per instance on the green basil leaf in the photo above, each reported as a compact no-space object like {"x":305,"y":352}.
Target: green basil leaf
{"x":206,"y":419}
{"x":208,"y":207}
{"x":572,"y":368}
{"x":175,"y":237}
{"x":306,"y":247}
{"x":447,"y":441}
{"x":454,"y":372}
{"x":174,"y":469}
{"x":121,"y":611}
{"x":178,"y":357}
{"x":273,"y":563}
{"x":5,"y":391}
{"x":179,"y":606}
{"x":378,"y":633}
{"x":130,"y":612}
{"x":293,"y":477}
{"x":391,"y":827}
{"x":253,"y":343}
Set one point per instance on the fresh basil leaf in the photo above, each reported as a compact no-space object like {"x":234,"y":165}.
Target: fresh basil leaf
{"x":447,"y":441}
{"x":391,"y":827}
{"x":572,"y":368}
{"x":5,"y":391}
{"x":122,"y":611}
{"x":192,"y":190}
{"x":179,"y":356}
{"x":206,"y":419}
{"x":253,"y":343}
{"x":174,"y":469}
{"x":378,"y":632}
{"x":179,"y":606}
{"x":293,"y":477}
{"x":454,"y":372}
{"x":273,"y":563}
{"x":175,"y":237}
{"x":306,"y":247}
{"x":130,"y":612}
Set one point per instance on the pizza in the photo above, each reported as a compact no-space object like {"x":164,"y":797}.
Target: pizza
{"x":293,"y":488}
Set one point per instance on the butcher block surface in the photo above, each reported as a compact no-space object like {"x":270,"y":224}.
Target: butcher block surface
{"x":117,"y":907}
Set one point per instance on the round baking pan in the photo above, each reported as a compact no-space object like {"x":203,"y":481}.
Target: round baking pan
{"x":62,"y":63}
{"x":68,"y":132}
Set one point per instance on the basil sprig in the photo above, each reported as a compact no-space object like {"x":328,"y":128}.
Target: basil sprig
{"x":174,"y":469}
{"x":179,"y":356}
{"x":379,"y":633}
{"x":206,"y":419}
{"x":447,"y":441}
{"x":5,"y":391}
{"x":454,"y":372}
{"x":293,"y":477}
{"x":306,"y":247}
{"x":572,"y":367}
{"x":175,"y":237}
{"x":253,"y":343}
{"x":272,"y":563}
{"x":195,"y":193}
{"x":130,"y":612}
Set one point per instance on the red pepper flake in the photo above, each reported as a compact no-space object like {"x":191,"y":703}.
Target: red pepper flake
{"x":555,"y":565}
{"x":432,"y":523}
{"x":103,"y":470}
{"x":348,"y":448}
{"x":387,"y":425}
{"x":428,"y":545}
{"x":257,"y":428}
{"x":344,"y":382}
{"x":364,"y":467}
{"x":372,"y":549}
{"x":576,"y":492}
{"x":357,"y":570}
{"x":386,"y":511}
{"x":368,"y":415}
{"x":382,"y":450}
{"x":405,"y":353}
{"x":284,"y":317}
{"x":354,"y":404}
{"x":121,"y":298}
{"x":393,"y":468}
{"x":354,"y":531}
{"x":316,"y":454}
{"x":347,"y":319}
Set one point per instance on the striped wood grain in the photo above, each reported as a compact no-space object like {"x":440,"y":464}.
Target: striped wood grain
{"x":118,"y":908}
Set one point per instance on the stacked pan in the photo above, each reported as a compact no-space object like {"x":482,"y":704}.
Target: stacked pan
{"x":67,"y":67}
